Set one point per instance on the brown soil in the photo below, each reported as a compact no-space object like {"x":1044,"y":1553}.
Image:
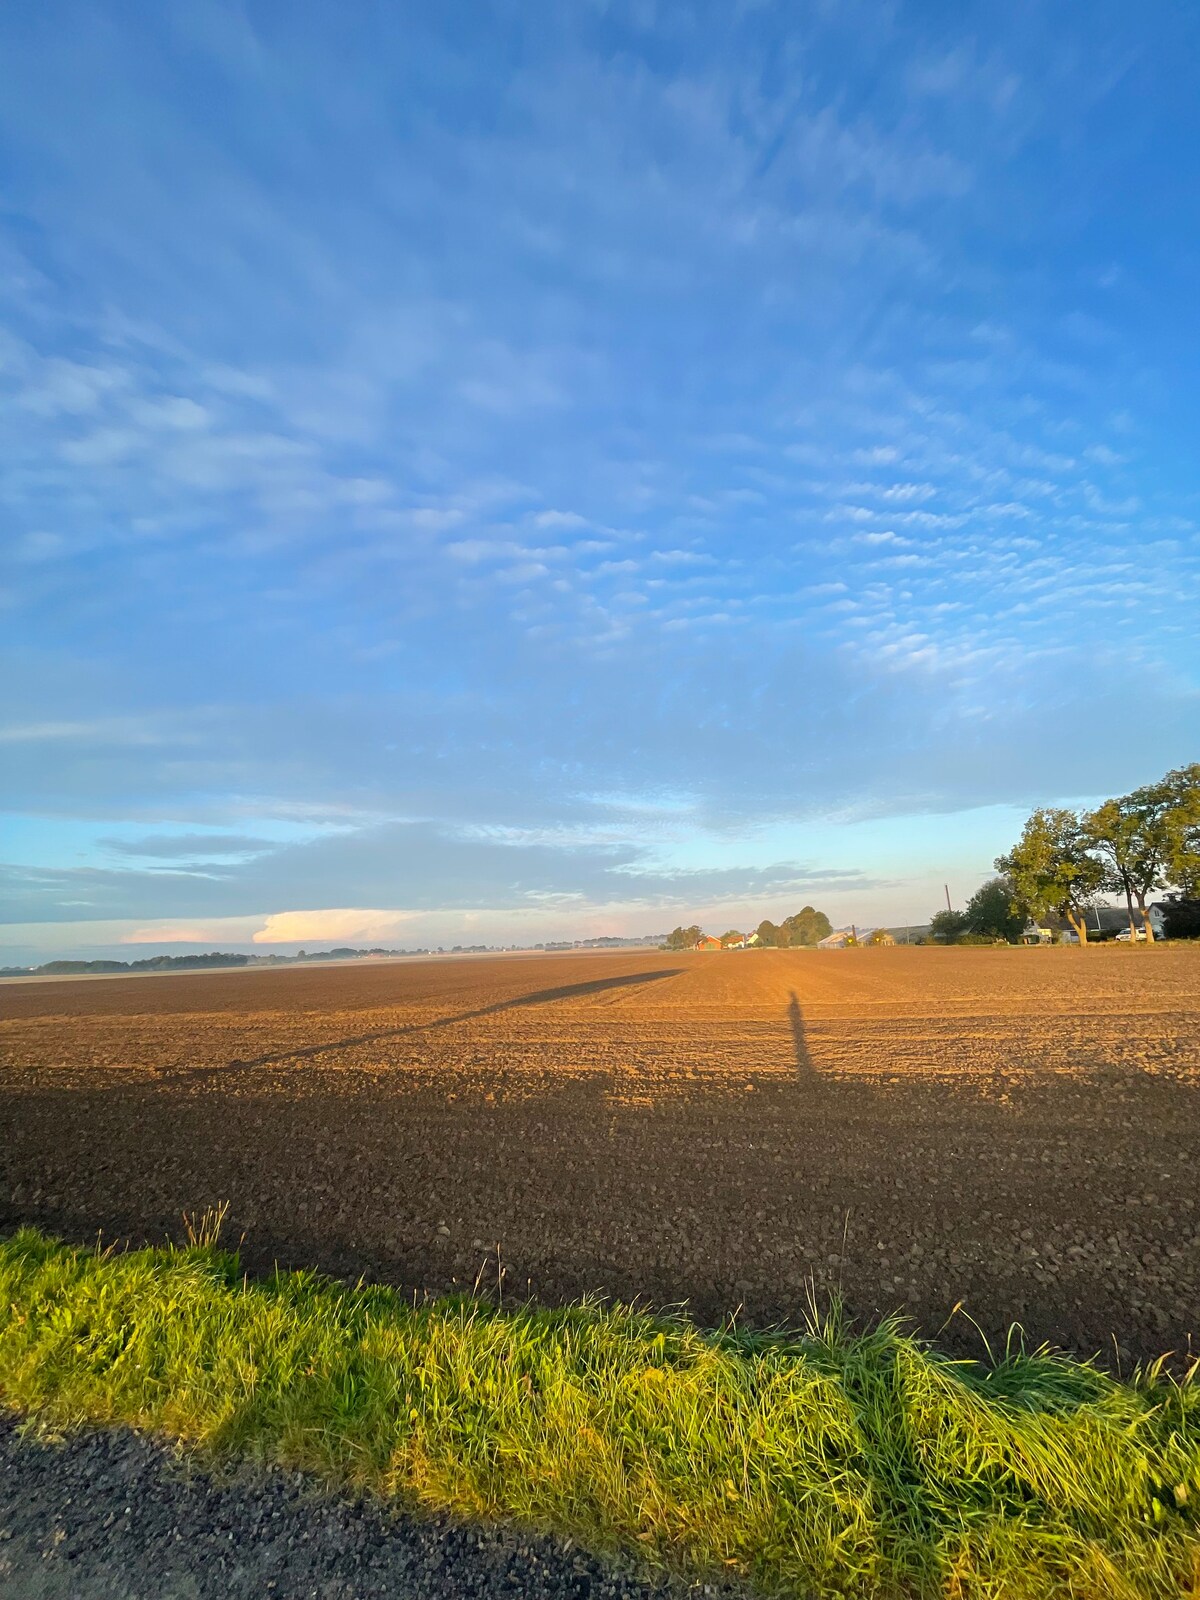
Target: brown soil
{"x":1015,"y":1129}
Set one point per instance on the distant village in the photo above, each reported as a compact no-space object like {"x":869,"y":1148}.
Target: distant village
{"x":1103,"y":923}
{"x":816,"y":933}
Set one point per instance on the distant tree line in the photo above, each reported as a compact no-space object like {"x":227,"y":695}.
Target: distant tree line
{"x":215,"y":958}
{"x":70,"y":969}
{"x":804,"y":927}
{"x":1134,"y":846}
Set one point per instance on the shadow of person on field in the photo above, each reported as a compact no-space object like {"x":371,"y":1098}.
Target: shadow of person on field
{"x":806,"y":1071}
{"x":569,"y":991}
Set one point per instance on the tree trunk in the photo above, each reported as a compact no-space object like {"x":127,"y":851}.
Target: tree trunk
{"x":1079,"y":924}
{"x":1145,"y":918}
{"x":1129,"y":903}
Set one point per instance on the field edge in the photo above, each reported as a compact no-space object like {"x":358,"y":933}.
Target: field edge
{"x":822,"y":1462}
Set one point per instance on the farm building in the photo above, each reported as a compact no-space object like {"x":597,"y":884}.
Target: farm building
{"x":1106,"y":922}
{"x":707,"y":942}
{"x":837,"y":940}
{"x":1156,"y":916}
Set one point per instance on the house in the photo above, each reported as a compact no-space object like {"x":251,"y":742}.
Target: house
{"x":1106,"y":922}
{"x":707,"y":942}
{"x":1035,"y":932}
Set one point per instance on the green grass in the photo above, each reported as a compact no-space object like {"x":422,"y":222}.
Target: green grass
{"x":821,"y":1464}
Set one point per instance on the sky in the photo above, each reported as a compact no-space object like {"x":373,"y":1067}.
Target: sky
{"x":494,"y":473}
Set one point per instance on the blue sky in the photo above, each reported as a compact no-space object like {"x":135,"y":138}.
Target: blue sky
{"x":505,"y":471}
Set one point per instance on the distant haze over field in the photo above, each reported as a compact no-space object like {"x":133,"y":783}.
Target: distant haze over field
{"x":496,"y":476}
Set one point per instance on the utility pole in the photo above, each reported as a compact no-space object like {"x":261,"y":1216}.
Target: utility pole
{"x":949,"y":907}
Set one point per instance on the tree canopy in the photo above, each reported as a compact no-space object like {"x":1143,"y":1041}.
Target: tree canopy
{"x":1179,"y":795}
{"x":947,"y":927}
{"x":1132,"y":845}
{"x":1182,"y":919}
{"x":1051,"y":868}
{"x":991,"y":911}
{"x":807,"y":926}
{"x":1130,"y":842}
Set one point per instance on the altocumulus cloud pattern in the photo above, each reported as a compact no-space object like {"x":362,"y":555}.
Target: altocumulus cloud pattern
{"x":516,"y":469}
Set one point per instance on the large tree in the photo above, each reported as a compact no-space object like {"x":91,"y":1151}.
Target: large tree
{"x":948,"y":927}
{"x":1179,"y":793}
{"x":1052,"y":868}
{"x":767,"y":933}
{"x":684,"y":938}
{"x":1128,"y":836}
{"x":1150,"y":839}
{"x":807,"y":926}
{"x":990,"y":911}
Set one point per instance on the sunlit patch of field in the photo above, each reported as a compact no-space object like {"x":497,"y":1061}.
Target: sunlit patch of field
{"x":658,"y":1023}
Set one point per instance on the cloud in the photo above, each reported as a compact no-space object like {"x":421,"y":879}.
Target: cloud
{"x":40,"y":545}
{"x":684,"y":558}
{"x":165,"y":934}
{"x":337,"y":428}
{"x":560,"y":519}
{"x":1104,"y":455}
{"x":323,"y":927}
{"x":70,"y":388}
{"x":110,"y":731}
{"x":102,"y":448}
{"x":189,"y":846}
{"x":174,"y":412}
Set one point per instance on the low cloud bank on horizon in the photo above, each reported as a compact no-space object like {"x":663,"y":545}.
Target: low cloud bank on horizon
{"x":550,"y":472}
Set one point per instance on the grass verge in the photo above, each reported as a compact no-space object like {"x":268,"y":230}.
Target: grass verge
{"x":826,"y":1464}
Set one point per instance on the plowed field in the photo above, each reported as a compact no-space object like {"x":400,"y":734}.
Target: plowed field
{"x":1015,"y":1129}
